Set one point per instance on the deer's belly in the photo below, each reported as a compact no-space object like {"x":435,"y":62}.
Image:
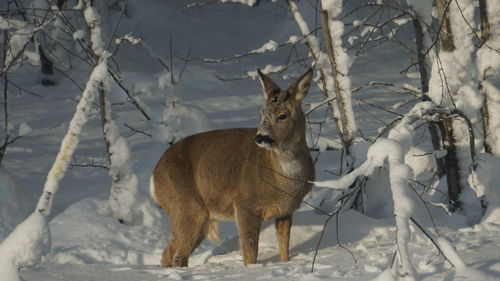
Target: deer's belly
{"x":221,"y":216}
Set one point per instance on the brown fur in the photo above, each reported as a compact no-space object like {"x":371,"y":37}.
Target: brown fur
{"x":224,"y":175}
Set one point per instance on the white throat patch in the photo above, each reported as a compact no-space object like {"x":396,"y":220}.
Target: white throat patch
{"x":291,"y":167}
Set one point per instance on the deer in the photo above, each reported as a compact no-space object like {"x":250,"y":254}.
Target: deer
{"x":246,"y":175}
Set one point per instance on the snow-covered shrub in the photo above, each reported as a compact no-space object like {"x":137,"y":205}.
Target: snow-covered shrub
{"x":180,"y":121}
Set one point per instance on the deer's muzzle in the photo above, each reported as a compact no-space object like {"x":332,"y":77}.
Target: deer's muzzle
{"x":263,"y":140}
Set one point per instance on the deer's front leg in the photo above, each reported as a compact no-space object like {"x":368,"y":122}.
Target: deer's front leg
{"x":248,"y":224}
{"x":283,"y":226}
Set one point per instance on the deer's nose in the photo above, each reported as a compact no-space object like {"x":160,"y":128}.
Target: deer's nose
{"x":259,"y":138}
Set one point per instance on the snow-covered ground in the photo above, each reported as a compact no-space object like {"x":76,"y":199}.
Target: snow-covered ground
{"x":89,"y":244}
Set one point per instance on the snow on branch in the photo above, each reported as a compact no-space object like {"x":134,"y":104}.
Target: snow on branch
{"x":31,"y":239}
{"x":393,"y":150}
{"x":340,"y":63}
{"x":253,"y":74}
{"x":250,"y":3}
{"x":126,"y":200}
{"x":71,"y":140}
{"x":333,"y":67}
{"x":21,"y":37}
{"x":269,"y":46}
{"x":488,"y":65}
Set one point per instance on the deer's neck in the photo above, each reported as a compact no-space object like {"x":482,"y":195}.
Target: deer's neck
{"x":293,"y":160}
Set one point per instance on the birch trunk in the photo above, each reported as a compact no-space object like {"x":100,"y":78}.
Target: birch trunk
{"x":342,"y":94}
{"x":425,"y":68}
{"x":489,"y":72}
{"x":451,"y":161}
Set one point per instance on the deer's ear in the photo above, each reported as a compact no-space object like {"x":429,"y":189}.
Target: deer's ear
{"x":269,"y":88}
{"x":299,"y":87}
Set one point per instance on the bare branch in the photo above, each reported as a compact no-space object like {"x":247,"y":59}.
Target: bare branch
{"x":115,"y":27}
{"x":134,"y":131}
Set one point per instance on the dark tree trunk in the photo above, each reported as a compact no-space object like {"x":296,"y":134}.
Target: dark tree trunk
{"x":424,"y":67}
{"x":451,"y":164}
{"x":486,"y":114}
{"x":47,"y":68}
{"x":451,"y":161}
{"x":445,"y":34}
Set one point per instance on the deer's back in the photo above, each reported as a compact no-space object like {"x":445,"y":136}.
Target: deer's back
{"x":224,"y":167}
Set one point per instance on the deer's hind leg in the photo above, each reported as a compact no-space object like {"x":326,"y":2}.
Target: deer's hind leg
{"x":187,"y":232}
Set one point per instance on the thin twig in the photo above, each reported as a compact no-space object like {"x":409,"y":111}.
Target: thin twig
{"x":379,"y":107}
{"x":122,"y":12}
{"x":5,"y":90}
{"x":21,"y":89}
{"x":431,"y":239}
{"x":137,"y":131}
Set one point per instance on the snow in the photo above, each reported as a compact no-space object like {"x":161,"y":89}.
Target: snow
{"x":17,"y":43}
{"x":11,"y":23}
{"x":24,"y":246}
{"x":343,"y":63}
{"x":24,"y":129}
{"x":402,"y":21}
{"x":79,"y":34}
{"x":458,"y":82}
{"x":323,"y":143}
{"x":246,"y":2}
{"x":485,"y":181}
{"x":453,"y":84}
{"x":31,"y":239}
{"x":293,"y":39}
{"x":269,"y":46}
{"x":266,"y":70}
{"x":70,"y":140}
{"x":127,"y":201}
{"x":93,"y":20}
{"x":488,"y":65}
{"x":88,"y":242}
{"x":394,"y":148}
{"x":334,"y":7}
{"x":351,"y":39}
{"x":304,"y":29}
{"x":367,"y":30}
{"x":13,"y":208}
{"x":180,"y":121}
{"x":423,"y":9}
{"x":129,"y":38}
{"x":103,"y":242}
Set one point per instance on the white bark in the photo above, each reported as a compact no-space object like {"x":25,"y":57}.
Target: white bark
{"x":488,"y":59}
{"x":340,"y":63}
{"x":126,"y":199}
{"x":393,"y":149}
{"x":454,"y":84}
{"x":31,"y":239}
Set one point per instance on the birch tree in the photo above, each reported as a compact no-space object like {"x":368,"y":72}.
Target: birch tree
{"x":422,"y":21}
{"x":488,"y":63}
{"x":126,"y":200}
{"x":31,"y":239}
{"x":339,"y":62}
{"x":346,"y":126}
{"x":453,"y":84}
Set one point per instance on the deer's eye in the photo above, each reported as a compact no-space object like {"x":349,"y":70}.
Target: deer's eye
{"x":282,"y":117}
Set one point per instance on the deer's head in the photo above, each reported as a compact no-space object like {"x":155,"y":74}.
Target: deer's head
{"x":282,"y":121}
